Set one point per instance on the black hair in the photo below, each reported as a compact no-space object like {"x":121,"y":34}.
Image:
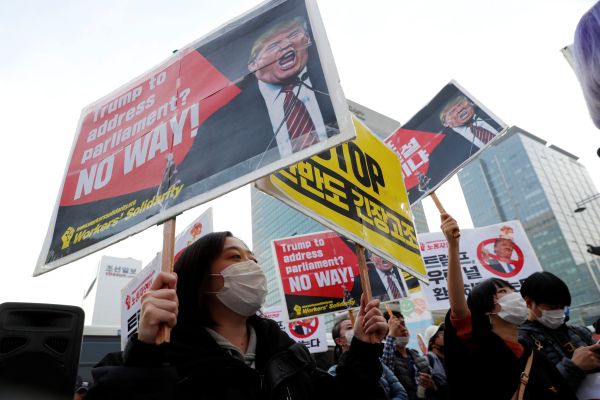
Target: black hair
{"x":193,"y":269}
{"x":596,"y":325}
{"x":546,"y":288}
{"x":481,"y":303}
{"x":397,"y":314}
{"x":335,"y":334}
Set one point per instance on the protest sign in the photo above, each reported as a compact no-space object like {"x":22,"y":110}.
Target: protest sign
{"x":309,"y":331}
{"x":206,"y":121}
{"x":355,"y":189}
{"x":131,"y":294}
{"x":441,"y":138}
{"x":495,"y":251}
{"x":319,"y":274}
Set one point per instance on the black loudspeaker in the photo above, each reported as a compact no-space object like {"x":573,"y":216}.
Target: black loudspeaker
{"x":40,"y":345}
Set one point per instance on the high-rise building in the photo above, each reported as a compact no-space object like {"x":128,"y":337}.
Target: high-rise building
{"x":272,"y":219}
{"x":520,"y":177}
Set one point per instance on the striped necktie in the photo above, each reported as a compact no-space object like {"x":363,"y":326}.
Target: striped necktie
{"x":481,"y":133}
{"x":300,"y":126}
{"x":393,"y":288}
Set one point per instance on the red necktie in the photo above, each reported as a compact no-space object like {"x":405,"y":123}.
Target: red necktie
{"x":481,"y":133}
{"x":299,"y":124}
{"x":393,"y":288}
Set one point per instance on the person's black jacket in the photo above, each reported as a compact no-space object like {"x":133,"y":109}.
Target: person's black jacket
{"x":193,"y":365}
{"x":486,"y":368}
{"x":550,"y":343}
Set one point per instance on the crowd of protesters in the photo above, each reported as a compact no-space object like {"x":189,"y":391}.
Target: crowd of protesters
{"x":494,"y":344}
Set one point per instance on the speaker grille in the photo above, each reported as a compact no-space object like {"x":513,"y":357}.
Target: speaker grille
{"x":57,"y":344}
{"x":11,"y":343}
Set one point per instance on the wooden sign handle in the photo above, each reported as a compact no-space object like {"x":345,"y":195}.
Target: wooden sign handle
{"x":364,"y":272}
{"x":441,"y":209}
{"x":164,"y":332}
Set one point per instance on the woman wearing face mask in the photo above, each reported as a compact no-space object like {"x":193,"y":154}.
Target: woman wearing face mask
{"x":484,"y":358}
{"x":570,"y":348}
{"x":342,"y":334}
{"x":220,"y":348}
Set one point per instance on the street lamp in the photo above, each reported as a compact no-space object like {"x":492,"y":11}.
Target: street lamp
{"x":580,"y":203}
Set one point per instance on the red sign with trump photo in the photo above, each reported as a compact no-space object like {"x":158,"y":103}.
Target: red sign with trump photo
{"x":250,"y":98}
{"x":319,"y":274}
{"x":441,"y":138}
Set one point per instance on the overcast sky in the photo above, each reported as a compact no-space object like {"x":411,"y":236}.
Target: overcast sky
{"x":392,"y":56}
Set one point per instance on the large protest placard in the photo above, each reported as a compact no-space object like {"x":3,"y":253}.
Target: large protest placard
{"x":308,"y":331}
{"x":132,"y":292}
{"x":441,"y":138}
{"x":252,"y":97}
{"x":495,"y":251}
{"x":319,"y":274}
{"x":355,"y":189}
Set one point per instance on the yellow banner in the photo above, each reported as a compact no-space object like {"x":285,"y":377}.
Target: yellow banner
{"x":355,"y":189}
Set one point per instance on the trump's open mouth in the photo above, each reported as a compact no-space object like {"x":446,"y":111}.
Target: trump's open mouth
{"x":464,"y":113}
{"x":288,"y":60}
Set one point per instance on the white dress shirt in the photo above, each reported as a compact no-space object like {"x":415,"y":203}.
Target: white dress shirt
{"x":465,"y":132}
{"x":274,"y":101}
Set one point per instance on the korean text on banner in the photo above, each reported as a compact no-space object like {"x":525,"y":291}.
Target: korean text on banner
{"x":355,"y":189}
{"x":131,"y":294}
{"x":319,"y":274}
{"x":309,"y":331}
{"x":496,"y":251}
{"x":218,"y":114}
{"x":441,"y":138}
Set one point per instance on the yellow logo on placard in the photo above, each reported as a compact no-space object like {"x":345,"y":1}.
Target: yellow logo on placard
{"x":298,"y":309}
{"x":67,"y":236}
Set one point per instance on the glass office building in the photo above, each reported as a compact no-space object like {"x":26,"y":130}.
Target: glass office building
{"x":520,"y":177}
{"x":272,"y":219}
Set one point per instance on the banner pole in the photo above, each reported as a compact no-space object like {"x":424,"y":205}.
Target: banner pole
{"x":441,"y":209}
{"x":164,"y":332}
{"x":364,"y":272}
{"x":351,"y":316}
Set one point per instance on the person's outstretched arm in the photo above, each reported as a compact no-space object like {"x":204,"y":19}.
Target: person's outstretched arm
{"x":456,"y":290}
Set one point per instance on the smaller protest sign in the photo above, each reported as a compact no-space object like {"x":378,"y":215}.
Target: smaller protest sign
{"x":495,"y":251}
{"x":441,"y":138}
{"x":308,"y":331}
{"x":319,"y":274}
{"x":132,"y":293}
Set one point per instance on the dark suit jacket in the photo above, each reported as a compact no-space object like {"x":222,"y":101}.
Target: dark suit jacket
{"x":377,"y":287}
{"x":496,"y":266}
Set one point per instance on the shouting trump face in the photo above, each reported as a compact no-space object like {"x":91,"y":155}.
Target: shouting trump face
{"x":457,"y":113}
{"x":280,"y":54}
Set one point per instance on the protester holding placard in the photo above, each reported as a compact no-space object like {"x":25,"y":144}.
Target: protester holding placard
{"x":342,"y":334}
{"x":221,"y":349}
{"x":411,"y":369}
{"x":484,"y":358}
{"x":570,"y":348}
{"x":434,"y":337}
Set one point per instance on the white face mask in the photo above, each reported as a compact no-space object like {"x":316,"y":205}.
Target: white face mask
{"x":244,"y":288}
{"x":513,"y":308}
{"x":349,"y":335}
{"x":552,"y":319}
{"x":402,"y":341}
